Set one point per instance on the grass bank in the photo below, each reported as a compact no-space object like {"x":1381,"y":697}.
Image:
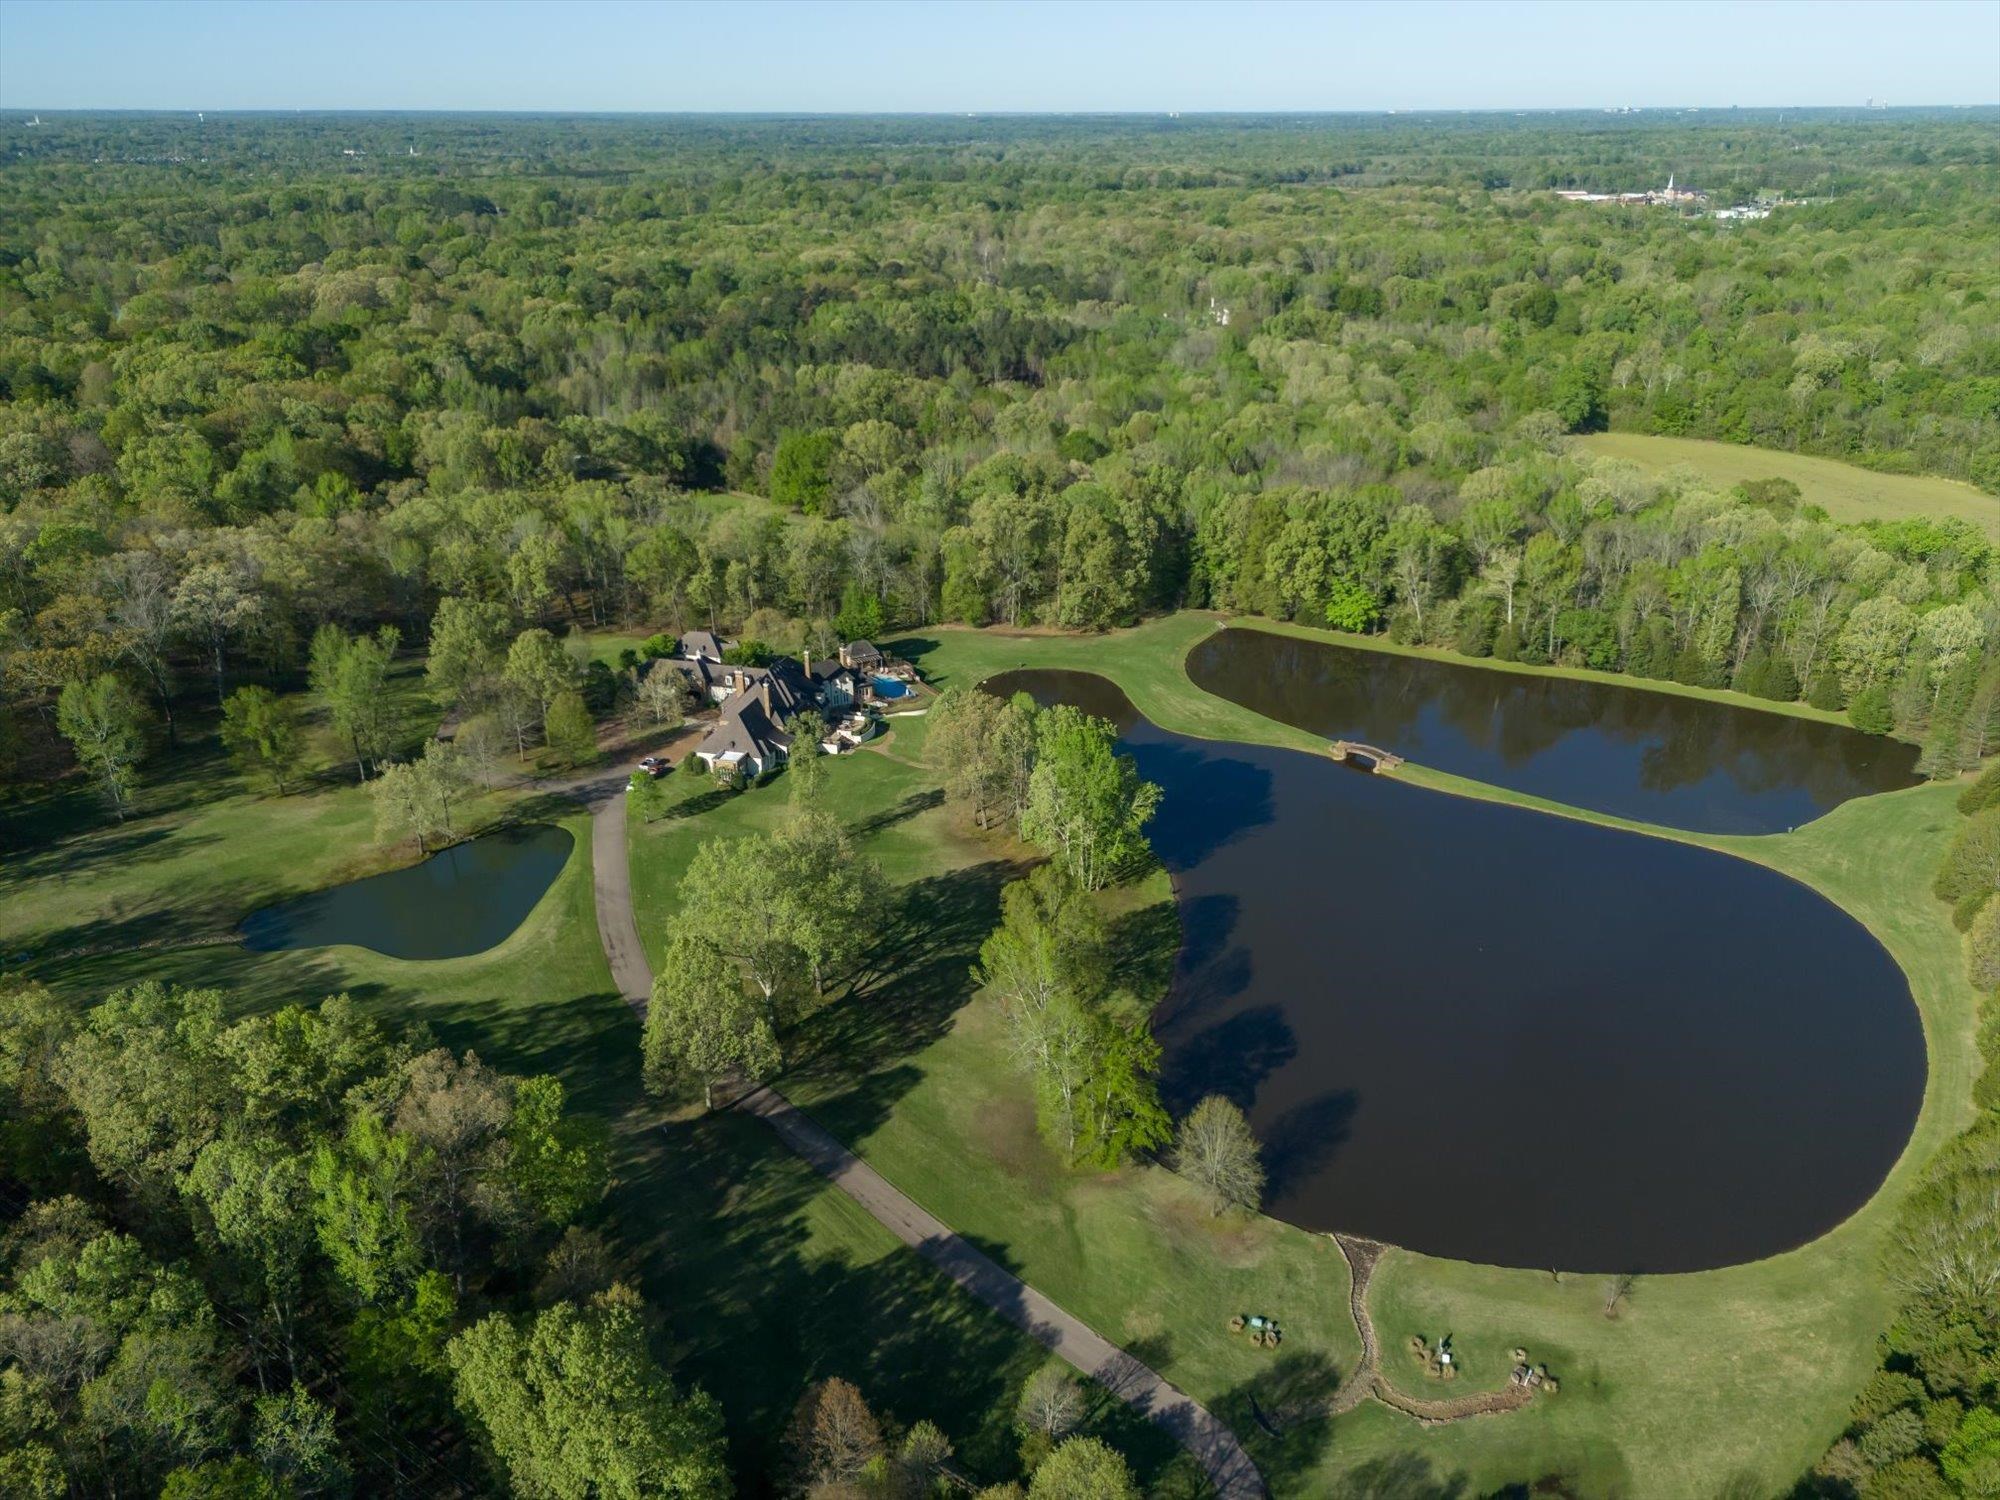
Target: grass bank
{"x":1846,"y":492}
{"x":1703,"y":1382}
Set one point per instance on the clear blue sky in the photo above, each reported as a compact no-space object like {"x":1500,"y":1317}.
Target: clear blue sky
{"x":863,"y":55}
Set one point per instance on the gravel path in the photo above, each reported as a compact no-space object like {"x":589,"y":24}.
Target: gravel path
{"x":1229,"y":1468}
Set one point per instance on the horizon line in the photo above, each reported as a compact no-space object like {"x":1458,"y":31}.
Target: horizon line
{"x":975,"y":113}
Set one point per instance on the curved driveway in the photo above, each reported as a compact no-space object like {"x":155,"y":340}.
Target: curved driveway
{"x":1229,"y":1468}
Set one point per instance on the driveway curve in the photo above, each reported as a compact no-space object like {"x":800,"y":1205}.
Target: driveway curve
{"x":1229,"y":1468}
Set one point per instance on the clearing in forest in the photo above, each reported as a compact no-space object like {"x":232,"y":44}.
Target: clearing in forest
{"x":1847,"y":493}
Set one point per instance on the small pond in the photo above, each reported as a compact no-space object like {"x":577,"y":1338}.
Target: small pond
{"x":1680,"y":762}
{"x":460,"y":901}
{"x":1485,"y":1032}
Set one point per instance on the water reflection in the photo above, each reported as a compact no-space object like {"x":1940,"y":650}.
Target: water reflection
{"x":1483,"y":1032}
{"x":1680,"y":762}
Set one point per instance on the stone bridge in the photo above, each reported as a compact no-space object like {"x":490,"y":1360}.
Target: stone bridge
{"x":1378,"y":760}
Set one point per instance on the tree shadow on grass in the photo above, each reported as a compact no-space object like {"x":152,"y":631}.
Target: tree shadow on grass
{"x":916,"y":976}
{"x":75,"y":856}
{"x":743,"y":1245}
{"x":1143,"y":945}
{"x":1407,"y":1476}
{"x":1279,"y":1414}
{"x":902,"y":812}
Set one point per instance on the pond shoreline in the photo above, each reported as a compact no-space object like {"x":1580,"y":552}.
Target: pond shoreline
{"x":1609,"y":1129}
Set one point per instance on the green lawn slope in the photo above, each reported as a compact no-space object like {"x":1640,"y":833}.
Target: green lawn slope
{"x":1846,"y":492}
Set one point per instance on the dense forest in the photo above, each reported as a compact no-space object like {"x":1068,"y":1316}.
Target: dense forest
{"x":282,"y":398}
{"x":1319,"y":372}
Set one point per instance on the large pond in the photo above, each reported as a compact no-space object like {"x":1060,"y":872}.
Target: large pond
{"x":1486,"y":1032}
{"x":1657,"y":757}
{"x":463,"y":900}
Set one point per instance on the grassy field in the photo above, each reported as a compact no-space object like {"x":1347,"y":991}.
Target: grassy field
{"x":1847,"y":493}
{"x":910,"y":1070}
{"x":1725,"y":1380}
{"x":765,"y":1275}
{"x":202,"y":847}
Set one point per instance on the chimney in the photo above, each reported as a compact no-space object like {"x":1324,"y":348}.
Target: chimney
{"x":809,"y":661}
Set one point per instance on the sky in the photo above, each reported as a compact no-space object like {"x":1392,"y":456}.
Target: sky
{"x":870,"y":56}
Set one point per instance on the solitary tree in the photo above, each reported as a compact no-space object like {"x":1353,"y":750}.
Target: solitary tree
{"x":662,"y":698}
{"x":481,"y":742}
{"x":1217,"y":1153}
{"x":100,"y":719}
{"x":1051,"y":1404}
{"x":806,"y":767}
{"x":833,"y":1437}
{"x":1086,"y":803}
{"x":702,"y":1023}
{"x":402,"y":810}
{"x":568,"y":729}
{"x":262,"y":733}
{"x":350,"y":677}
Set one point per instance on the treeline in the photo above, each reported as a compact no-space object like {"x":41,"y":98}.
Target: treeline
{"x":1928,"y":1422}
{"x":294,"y":1254}
{"x":240,"y":407}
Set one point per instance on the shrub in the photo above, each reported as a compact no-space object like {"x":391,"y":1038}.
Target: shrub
{"x":1967,"y":908}
{"x":1888,"y":1390}
{"x":1870,"y":712}
{"x":1478,"y":622}
{"x":1825,"y":693}
{"x":1910,"y":1478}
{"x":1972,"y":863}
{"x":1893,"y":1435}
{"x":1982,"y":947}
{"x":1983,"y":793}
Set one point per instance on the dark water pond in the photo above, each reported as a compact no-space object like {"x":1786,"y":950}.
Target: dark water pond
{"x":461,"y":901}
{"x":1679,"y":762}
{"x":1485,"y":1032}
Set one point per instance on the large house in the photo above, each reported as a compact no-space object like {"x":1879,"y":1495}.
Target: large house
{"x":752,"y":732}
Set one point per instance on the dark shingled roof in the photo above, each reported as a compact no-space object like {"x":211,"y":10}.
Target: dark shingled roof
{"x":748,"y":727}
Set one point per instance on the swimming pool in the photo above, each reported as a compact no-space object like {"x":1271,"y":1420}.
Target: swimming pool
{"x":890,"y":687}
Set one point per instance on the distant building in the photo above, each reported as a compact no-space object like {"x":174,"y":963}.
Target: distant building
{"x":1671,"y":193}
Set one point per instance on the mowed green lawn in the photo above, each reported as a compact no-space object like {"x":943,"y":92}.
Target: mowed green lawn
{"x":911,"y":1070}
{"x":1848,"y":493}
{"x":1731,"y":1380}
{"x":203,"y":845}
{"x":765,"y":1276}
